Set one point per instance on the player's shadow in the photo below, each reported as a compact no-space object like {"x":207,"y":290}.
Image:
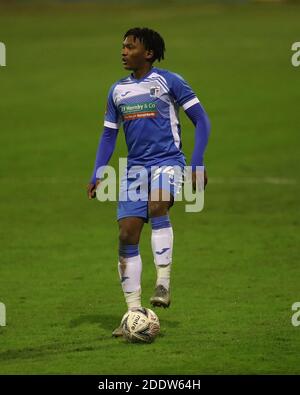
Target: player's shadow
{"x":106,"y":321}
{"x":110,"y":321}
{"x":170,"y":323}
{"x":167,"y":325}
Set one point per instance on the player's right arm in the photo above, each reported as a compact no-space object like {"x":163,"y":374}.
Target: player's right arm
{"x":106,"y":145}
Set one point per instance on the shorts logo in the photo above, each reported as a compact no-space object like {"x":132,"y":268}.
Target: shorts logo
{"x":138,"y":110}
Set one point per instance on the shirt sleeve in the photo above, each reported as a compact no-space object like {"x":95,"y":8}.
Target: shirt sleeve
{"x":201,"y":121}
{"x":105,"y":150}
{"x":112,"y":118}
{"x":182,"y":92}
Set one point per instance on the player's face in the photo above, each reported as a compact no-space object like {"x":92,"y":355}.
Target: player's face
{"x":134,"y":54}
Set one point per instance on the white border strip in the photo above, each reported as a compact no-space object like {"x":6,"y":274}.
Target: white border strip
{"x":190,"y":103}
{"x":111,"y":125}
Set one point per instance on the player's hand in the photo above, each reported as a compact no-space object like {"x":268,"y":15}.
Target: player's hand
{"x":91,"y":189}
{"x":194,"y":179}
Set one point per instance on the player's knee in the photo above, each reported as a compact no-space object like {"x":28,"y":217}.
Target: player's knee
{"x":157,"y":209}
{"x":128,"y":236}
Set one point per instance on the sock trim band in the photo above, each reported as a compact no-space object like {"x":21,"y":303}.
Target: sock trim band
{"x":160,"y":222}
{"x":128,"y":250}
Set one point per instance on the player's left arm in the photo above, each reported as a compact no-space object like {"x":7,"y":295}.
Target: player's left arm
{"x":199,"y":117}
{"x":187,"y":99}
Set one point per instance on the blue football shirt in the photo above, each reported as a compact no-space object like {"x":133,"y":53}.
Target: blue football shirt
{"x":148,"y":109}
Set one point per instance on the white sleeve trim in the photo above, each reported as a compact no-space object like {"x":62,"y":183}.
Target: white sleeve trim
{"x":190,"y":103}
{"x":111,"y":125}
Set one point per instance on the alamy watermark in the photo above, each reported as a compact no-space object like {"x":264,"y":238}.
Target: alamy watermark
{"x":154,"y":183}
{"x":2,"y":314}
{"x":2,"y":54}
{"x":296,"y":316}
{"x":295,"y":59}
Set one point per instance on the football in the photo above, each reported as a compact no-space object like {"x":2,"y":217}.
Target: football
{"x":140,"y":326}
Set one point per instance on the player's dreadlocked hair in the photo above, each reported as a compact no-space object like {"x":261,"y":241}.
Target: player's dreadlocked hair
{"x":152,"y":41}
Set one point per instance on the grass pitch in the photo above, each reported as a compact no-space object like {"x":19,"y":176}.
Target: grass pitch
{"x":236,"y":264}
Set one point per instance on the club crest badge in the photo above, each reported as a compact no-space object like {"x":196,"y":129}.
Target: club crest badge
{"x":154,"y":91}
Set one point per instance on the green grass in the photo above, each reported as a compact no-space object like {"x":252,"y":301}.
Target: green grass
{"x":236,"y":264}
